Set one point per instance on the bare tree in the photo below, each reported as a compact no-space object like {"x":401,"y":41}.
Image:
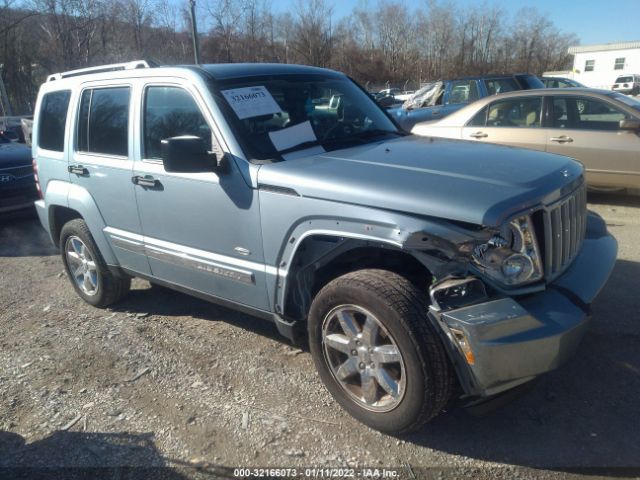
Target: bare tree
{"x":312,"y":32}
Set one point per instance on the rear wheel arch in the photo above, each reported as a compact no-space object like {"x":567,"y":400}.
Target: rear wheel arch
{"x":58,"y":217}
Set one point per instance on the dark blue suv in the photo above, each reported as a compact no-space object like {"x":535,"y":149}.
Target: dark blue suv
{"x":441,"y":98}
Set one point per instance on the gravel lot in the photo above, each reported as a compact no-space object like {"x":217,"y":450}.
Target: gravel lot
{"x":173,"y":387}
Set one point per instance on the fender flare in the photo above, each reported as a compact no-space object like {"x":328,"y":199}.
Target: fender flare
{"x":77,"y":198}
{"x":384,"y":235}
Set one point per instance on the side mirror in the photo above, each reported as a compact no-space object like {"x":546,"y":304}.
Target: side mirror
{"x":187,"y":154}
{"x":629,"y":125}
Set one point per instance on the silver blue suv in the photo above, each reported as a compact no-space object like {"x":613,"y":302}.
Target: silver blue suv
{"x":419,"y":268}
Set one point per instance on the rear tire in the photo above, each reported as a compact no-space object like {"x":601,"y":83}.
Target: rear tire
{"x":412,"y":377}
{"x":86,"y":268}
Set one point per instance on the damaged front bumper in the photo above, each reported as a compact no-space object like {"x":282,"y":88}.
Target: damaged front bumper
{"x":503,"y":342}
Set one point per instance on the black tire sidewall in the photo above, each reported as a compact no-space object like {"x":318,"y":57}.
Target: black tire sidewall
{"x":79,"y":229}
{"x":417,"y":379}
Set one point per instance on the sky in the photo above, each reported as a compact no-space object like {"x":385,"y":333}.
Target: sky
{"x":592,"y":21}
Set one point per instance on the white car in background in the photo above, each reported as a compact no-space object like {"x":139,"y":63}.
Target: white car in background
{"x":597,"y":127}
{"x":627,"y":84}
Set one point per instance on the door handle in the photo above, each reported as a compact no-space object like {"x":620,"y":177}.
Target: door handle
{"x":435,"y":112}
{"x":562,"y":139}
{"x":479,"y":135}
{"x":147,"y":181}
{"x":78,"y":170}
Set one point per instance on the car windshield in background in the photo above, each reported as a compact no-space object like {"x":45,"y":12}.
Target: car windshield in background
{"x":631,"y":102}
{"x":276,"y":115}
{"x":628,"y":79}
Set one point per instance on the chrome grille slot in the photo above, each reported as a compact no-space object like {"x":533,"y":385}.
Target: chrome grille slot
{"x":564,"y":225}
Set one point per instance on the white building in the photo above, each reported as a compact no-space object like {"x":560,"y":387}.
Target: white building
{"x":598,"y":66}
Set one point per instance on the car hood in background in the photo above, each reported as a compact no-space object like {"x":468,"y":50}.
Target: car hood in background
{"x":14,"y":155}
{"x":452,"y":179}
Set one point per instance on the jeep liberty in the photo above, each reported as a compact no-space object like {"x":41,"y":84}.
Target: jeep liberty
{"x":421,"y":269}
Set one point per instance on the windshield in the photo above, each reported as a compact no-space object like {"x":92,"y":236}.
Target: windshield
{"x":629,"y":101}
{"x":624,"y":79}
{"x":277,"y":114}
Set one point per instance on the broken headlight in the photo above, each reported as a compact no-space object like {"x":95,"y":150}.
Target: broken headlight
{"x":511,"y":256}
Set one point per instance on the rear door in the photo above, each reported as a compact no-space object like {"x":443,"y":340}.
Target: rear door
{"x":102,"y":163}
{"x":512,"y":121}
{"x":587,"y":129}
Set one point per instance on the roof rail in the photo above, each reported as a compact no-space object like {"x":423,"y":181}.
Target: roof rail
{"x":103,"y":68}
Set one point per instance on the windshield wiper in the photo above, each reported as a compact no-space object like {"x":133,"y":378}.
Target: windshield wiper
{"x":364,"y":136}
{"x":300,"y":146}
{"x":376,"y":132}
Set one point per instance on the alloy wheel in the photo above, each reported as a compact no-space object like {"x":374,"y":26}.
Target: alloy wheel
{"x":364,"y":358}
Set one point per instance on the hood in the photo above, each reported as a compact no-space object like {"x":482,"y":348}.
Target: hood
{"x":458,"y":180}
{"x":14,"y":155}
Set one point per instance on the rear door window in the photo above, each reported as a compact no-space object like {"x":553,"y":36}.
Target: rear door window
{"x":103,"y":121}
{"x":586,"y":114}
{"x":463,"y":91}
{"x":501,"y":85}
{"x":53,"y":119}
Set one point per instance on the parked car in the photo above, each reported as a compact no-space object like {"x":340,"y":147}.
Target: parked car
{"x":560,"y":82}
{"x":597,"y":127}
{"x":627,"y":84}
{"x":417,"y":269}
{"x":17,"y":183}
{"x":454,"y":94}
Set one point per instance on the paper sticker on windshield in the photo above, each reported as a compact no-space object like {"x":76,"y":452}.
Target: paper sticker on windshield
{"x":292,"y":136}
{"x":250,"y":102}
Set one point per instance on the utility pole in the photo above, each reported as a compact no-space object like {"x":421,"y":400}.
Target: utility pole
{"x":4,"y":98}
{"x":194,"y":32}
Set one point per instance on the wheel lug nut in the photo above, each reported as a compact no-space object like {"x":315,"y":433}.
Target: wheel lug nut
{"x":354,"y":352}
{"x":361,"y":366}
{"x":372,"y":365}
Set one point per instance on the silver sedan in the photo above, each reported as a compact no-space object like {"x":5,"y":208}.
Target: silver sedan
{"x":597,"y":127}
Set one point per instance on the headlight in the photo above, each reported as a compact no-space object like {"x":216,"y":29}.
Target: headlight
{"x":512,"y":256}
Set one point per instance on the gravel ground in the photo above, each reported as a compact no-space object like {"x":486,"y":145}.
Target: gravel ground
{"x":168,"y":386}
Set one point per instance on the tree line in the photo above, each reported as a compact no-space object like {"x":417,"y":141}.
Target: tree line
{"x":381,"y":42}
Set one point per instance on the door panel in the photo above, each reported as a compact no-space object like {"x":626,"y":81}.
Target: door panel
{"x":198,"y":228}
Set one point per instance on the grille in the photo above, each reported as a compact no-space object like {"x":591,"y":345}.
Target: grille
{"x":18,"y":172}
{"x":565,"y":224}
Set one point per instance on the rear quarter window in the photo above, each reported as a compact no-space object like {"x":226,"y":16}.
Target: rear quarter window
{"x":53,"y":119}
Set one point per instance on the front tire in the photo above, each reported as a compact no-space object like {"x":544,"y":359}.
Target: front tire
{"x":86,"y":268}
{"x":376,"y":351}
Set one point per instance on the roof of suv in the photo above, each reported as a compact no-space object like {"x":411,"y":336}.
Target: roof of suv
{"x":491,"y":77}
{"x":217,"y":71}
{"x":232,"y":70}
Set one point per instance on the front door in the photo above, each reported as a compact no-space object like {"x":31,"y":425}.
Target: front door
{"x":201,"y":230}
{"x":513,"y":121}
